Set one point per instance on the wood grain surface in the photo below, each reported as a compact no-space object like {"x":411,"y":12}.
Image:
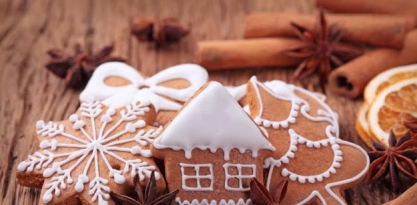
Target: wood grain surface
{"x":28,"y":92}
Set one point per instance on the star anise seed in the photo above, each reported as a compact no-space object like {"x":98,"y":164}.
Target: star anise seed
{"x":260,"y":195}
{"x":78,"y":67}
{"x":321,"y":50}
{"x":397,"y":158}
{"x":148,"y":196}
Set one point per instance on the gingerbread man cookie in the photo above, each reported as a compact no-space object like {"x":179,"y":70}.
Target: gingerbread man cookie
{"x":97,"y":150}
{"x":309,"y":153}
{"x":117,"y":84}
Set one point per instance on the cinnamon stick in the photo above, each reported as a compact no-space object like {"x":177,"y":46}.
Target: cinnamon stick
{"x":350,"y":79}
{"x":401,"y":7}
{"x":408,"y":197}
{"x":380,"y":30}
{"x":214,"y":55}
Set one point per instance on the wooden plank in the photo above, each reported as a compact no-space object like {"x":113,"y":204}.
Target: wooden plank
{"x":15,"y":54}
{"x":32,"y":92}
{"x":29,"y":92}
{"x":9,"y":8}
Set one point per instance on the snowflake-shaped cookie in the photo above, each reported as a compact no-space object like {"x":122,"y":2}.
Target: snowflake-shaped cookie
{"x":97,"y":150}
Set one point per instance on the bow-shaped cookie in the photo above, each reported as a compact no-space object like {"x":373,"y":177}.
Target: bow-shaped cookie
{"x":140,"y":88}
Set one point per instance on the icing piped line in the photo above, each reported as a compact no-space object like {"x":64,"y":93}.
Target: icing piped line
{"x":336,"y":142}
{"x":214,"y":202}
{"x":226,"y":149}
{"x":238,"y":176}
{"x":291,"y":152}
{"x":320,"y":96}
{"x":311,"y":196}
{"x":337,"y":159}
{"x":197,"y":177}
{"x":283,"y":88}
{"x":238,"y":92}
{"x":332,"y":132}
{"x":327,"y":115}
{"x":323,"y":117}
{"x":141,"y":89}
{"x":282,"y":91}
{"x":222,"y":124}
{"x":270,"y":161}
{"x":194,"y":74}
{"x":89,"y":147}
{"x":264,"y":131}
{"x":329,"y":186}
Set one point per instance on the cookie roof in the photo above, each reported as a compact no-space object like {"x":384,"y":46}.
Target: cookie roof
{"x":213,"y":120}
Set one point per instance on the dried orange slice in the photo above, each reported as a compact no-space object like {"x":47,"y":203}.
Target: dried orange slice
{"x":385,"y":111}
{"x":362,"y":126}
{"x":405,"y":100}
{"x":387,"y":78}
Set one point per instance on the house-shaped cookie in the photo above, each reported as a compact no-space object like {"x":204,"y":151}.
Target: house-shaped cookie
{"x":212,"y":149}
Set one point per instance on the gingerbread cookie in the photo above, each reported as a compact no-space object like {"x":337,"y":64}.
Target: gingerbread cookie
{"x":117,"y":84}
{"x":97,"y":150}
{"x":309,"y":153}
{"x":212,"y":149}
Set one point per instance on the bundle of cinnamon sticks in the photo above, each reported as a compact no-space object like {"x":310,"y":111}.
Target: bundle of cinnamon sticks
{"x":386,"y":29}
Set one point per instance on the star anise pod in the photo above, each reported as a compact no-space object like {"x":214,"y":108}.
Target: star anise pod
{"x":164,"y":31}
{"x":148,"y":196}
{"x":142,"y":29}
{"x":390,"y":161}
{"x":78,"y":67}
{"x":261,"y":196}
{"x":321,"y":49}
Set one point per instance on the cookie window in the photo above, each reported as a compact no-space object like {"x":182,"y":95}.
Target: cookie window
{"x":197,"y":177}
{"x":238,"y":176}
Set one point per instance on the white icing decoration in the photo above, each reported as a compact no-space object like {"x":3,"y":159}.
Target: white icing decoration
{"x":246,"y":109}
{"x":337,"y":159}
{"x":283,"y":92}
{"x":329,"y":186}
{"x":238,"y":92}
{"x":143,"y":89}
{"x":320,"y":96}
{"x":239,"y":176}
{"x":213,"y":120}
{"x":264,"y":131}
{"x":310,"y":197}
{"x":90,"y":147}
{"x":291,"y":152}
{"x":214,"y":202}
{"x":197,"y":177}
{"x":332,"y":134}
{"x":298,"y":105}
{"x":270,"y":162}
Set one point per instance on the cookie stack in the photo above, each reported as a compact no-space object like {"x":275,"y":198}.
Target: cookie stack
{"x":211,"y":148}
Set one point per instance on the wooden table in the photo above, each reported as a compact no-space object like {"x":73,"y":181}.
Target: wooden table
{"x":29,"y":92}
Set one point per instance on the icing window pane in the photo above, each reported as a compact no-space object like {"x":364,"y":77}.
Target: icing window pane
{"x":197,"y":177}
{"x":247,"y":170}
{"x":238,"y":176}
